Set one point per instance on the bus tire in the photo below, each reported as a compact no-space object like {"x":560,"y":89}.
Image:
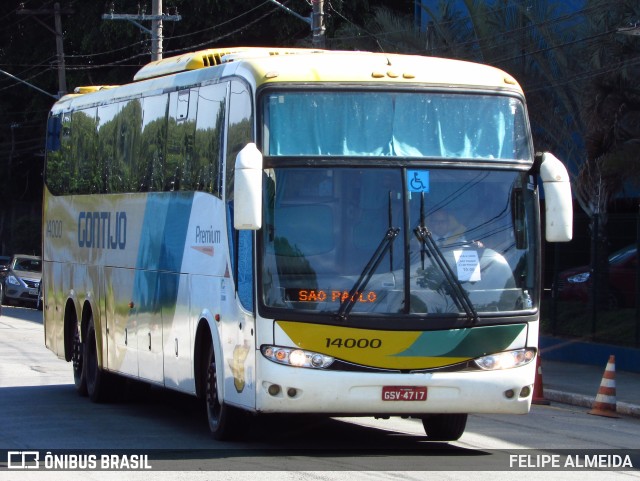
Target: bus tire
{"x":444,"y":427}
{"x":221,"y":417}
{"x":77,"y":357}
{"x":94,"y":376}
{"x":39,"y":300}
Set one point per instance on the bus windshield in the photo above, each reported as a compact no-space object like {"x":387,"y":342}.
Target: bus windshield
{"x":400,"y":124}
{"x":390,"y":240}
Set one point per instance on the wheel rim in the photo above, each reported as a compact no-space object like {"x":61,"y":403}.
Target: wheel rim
{"x":213,"y":403}
{"x":91,"y":360}
{"x":76,"y":355}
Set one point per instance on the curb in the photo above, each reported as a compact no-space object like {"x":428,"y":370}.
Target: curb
{"x":581,"y":400}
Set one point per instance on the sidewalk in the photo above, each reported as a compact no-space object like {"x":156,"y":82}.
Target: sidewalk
{"x":577,"y":384}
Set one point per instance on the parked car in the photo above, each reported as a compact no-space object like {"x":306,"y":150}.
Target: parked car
{"x":4,"y":265}
{"x":20,"y":280}
{"x":575,"y":283}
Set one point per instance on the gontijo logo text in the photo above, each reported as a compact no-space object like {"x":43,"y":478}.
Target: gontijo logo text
{"x":102,"y":230}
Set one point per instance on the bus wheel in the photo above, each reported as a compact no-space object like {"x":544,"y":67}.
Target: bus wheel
{"x":444,"y":427}
{"x":79,"y":375}
{"x":95,"y":378}
{"x":39,"y":303}
{"x":220,"y":416}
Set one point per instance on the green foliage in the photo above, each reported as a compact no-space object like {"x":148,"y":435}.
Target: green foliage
{"x":579,"y":74}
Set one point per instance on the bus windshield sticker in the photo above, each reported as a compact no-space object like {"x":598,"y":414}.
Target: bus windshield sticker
{"x":418,"y":180}
{"x":468,"y":265}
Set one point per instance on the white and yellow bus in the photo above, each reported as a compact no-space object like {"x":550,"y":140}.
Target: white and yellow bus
{"x":302,"y":231}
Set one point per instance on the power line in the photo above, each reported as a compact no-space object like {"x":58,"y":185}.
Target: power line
{"x":27,"y":83}
{"x":157,"y":19}
{"x":180,"y":50}
{"x":588,"y":74}
{"x":174,"y":37}
{"x":57,"y":12}
{"x":577,"y":77}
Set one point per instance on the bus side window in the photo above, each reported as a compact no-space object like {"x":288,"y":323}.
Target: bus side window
{"x":152,"y":144}
{"x":180,"y":134}
{"x":239,"y":134}
{"x":89,"y":177}
{"x":203,"y":172}
{"x":59,"y":162}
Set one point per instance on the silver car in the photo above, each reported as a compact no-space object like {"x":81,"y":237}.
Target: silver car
{"x":21,"y":280}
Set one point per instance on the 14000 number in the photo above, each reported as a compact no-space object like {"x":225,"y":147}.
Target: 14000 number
{"x":350,"y":343}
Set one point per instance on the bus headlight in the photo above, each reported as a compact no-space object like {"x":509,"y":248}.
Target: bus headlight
{"x":506,"y":359}
{"x":296,"y":357}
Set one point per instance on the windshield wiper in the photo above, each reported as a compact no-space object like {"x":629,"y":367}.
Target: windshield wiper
{"x":459,"y":295}
{"x":366,"y":274}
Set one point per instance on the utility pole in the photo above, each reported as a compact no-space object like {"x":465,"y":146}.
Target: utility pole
{"x":156,"y":30}
{"x":62,"y":76}
{"x":317,"y":24}
{"x":57,"y":12}
{"x":156,"y":18}
{"x":316,"y":21}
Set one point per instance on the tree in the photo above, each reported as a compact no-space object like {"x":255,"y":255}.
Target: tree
{"x":579,"y":76}
{"x":611,"y":112}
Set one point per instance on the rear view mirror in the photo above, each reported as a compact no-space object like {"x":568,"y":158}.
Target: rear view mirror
{"x":558,"y":200}
{"x":247,"y":189}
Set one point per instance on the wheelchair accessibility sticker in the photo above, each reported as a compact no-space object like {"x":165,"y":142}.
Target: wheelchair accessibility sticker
{"x":418,"y":180}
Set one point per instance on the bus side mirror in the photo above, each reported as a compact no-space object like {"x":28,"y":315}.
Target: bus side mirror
{"x":247,"y":189}
{"x":558,"y":200}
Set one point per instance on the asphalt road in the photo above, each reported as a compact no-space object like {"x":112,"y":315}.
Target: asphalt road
{"x":41,"y":411}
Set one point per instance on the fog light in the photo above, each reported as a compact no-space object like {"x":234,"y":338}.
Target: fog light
{"x":525,"y":391}
{"x":509,"y":394}
{"x":291,"y":392}
{"x":274,"y":390}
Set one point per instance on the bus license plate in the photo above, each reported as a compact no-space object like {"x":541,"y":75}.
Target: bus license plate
{"x":404,"y":393}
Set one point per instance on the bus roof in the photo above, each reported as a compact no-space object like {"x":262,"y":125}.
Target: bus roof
{"x":313,"y":65}
{"x":262,"y":65}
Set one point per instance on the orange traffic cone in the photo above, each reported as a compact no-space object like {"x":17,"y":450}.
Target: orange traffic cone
{"x":605,"y":403}
{"x":538,"y":390}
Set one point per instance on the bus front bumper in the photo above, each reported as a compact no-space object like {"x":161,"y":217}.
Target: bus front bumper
{"x":285,"y":389}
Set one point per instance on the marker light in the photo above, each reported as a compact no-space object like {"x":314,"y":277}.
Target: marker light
{"x":296,"y":357}
{"x":506,"y":359}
